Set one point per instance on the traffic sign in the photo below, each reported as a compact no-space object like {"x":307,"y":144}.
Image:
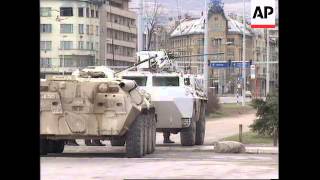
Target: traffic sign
{"x":219,"y":65}
{"x":226,"y":64}
{"x":239,"y":64}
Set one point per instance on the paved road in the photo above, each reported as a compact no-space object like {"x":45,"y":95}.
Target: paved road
{"x":168,"y":161}
{"x":219,"y":128}
{"x":232,"y":99}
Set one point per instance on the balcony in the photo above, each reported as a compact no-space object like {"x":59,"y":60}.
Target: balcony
{"x":57,"y":69}
{"x":119,"y":27}
{"x":121,"y":58}
{"x":121,"y":12}
{"x":122,"y":43}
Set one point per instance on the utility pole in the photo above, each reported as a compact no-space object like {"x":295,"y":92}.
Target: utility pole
{"x":268,"y":74}
{"x":205,"y":48}
{"x":244,"y":56}
{"x":140,"y":27}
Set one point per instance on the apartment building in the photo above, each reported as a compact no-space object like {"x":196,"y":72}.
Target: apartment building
{"x":224,"y":36}
{"x":187,"y":40}
{"x":69,"y":35}
{"x":118,"y":38}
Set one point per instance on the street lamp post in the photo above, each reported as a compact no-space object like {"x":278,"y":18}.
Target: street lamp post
{"x":205,"y":47}
{"x":268,"y":74}
{"x":243,"y":56}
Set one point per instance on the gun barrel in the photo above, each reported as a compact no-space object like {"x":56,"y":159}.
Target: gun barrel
{"x":135,"y":65}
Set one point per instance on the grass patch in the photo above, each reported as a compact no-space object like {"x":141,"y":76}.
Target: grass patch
{"x":250,"y":138}
{"x":232,"y":109}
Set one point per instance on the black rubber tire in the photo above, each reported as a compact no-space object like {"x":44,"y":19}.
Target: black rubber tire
{"x":43,"y":147}
{"x":154,"y":133}
{"x":188,"y":135}
{"x":134,"y":138}
{"x":150,"y":131}
{"x":201,"y":126}
{"x":55,"y":146}
{"x":59,"y":146}
{"x":145,"y":137}
{"x":118,"y":142}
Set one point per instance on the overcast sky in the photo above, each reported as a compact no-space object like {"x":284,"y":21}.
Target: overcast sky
{"x":194,"y":7}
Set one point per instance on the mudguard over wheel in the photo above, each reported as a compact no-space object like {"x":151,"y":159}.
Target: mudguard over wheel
{"x":134,"y":138}
{"x":188,"y":135}
{"x":117,"y":142}
{"x":201,"y":126}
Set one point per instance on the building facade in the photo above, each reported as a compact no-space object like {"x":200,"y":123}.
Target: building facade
{"x":224,"y":36}
{"x":186,"y":41}
{"x":69,"y":35}
{"x":118,"y":34}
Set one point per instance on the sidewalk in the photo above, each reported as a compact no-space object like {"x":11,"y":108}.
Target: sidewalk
{"x":262,"y":150}
{"x":249,"y":150}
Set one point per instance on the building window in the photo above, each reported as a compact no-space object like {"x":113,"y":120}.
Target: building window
{"x":66,"y":11}
{"x":88,"y":45}
{"x":45,"y":12}
{"x":81,"y":29}
{"x":45,"y":28}
{"x":88,"y":30}
{"x":87,"y":12}
{"x":45,"y":45}
{"x":97,"y":14}
{"x":66,"y":45}
{"x":80,"y":12}
{"x":91,"y":46}
{"x":81,"y":45}
{"x":66,"y":28}
{"x":230,"y":40}
{"x":45,"y":62}
{"x":97,"y":46}
{"x":97,"y":30}
{"x":92,"y":13}
{"x":230,"y":52}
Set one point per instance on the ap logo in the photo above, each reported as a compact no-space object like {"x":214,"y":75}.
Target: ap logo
{"x":263,"y":14}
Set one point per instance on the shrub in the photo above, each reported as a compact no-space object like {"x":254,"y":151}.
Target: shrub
{"x":267,"y":115}
{"x":213,"y":103}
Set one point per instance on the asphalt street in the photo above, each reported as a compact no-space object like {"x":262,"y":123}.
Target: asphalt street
{"x":168,"y":161}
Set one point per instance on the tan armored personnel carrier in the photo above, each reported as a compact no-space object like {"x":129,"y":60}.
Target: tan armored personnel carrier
{"x":91,"y":106}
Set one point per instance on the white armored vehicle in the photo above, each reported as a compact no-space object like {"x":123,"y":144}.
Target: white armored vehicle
{"x":178,"y":98}
{"x":91,"y":104}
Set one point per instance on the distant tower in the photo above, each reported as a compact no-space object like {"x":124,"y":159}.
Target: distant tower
{"x":216,"y":6}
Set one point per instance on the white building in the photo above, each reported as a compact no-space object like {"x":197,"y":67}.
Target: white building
{"x":69,"y":34}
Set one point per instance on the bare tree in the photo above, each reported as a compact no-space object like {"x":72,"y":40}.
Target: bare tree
{"x":152,"y":21}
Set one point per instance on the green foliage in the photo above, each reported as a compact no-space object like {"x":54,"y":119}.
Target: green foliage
{"x":268,"y":115}
{"x":213,"y":102}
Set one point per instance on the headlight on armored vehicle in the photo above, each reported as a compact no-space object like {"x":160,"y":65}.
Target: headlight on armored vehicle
{"x":103,"y":87}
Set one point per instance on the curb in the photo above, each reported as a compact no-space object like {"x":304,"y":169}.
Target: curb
{"x":262,"y":150}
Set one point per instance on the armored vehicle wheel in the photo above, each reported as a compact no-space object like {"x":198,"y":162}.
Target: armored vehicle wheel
{"x":154,"y":124}
{"x":134,"y":138}
{"x":145,"y":140}
{"x":201,"y":126}
{"x":149,"y":133}
{"x":188,"y":135}
{"x":55,"y":146}
{"x":118,"y":142}
{"x":43,"y":147}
